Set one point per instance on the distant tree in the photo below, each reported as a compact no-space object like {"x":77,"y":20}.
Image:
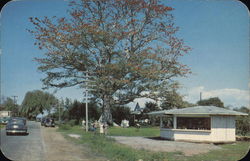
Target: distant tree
{"x":120,"y":113}
{"x":244,"y":109}
{"x":57,"y":111}
{"x":77,"y":111}
{"x":10,"y":105}
{"x":67,"y":103}
{"x":35,"y":102}
{"x":150,"y":106}
{"x":65,"y":110}
{"x":215,"y":101}
{"x":94,"y":111}
{"x":172,"y":99}
{"x":127,"y":46}
{"x":243,"y":122}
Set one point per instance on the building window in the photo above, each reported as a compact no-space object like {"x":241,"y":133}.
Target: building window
{"x":167,"y":122}
{"x":193,"y":123}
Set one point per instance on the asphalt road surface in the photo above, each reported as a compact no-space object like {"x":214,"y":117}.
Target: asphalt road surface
{"x":24,"y":147}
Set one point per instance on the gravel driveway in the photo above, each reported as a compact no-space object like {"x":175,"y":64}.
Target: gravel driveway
{"x":165,"y":145}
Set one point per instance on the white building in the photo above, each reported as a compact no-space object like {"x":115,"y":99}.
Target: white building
{"x":198,"y":124}
{"x":5,"y":113}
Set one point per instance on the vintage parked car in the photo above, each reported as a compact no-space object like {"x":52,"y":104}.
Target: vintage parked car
{"x":43,"y":121}
{"x":38,"y":119}
{"x":4,"y":120}
{"x":49,"y":122}
{"x":16,"y":125}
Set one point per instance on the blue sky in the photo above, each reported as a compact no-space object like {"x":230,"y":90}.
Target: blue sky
{"x":216,"y":30}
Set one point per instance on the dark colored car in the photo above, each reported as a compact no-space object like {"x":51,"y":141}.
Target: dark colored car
{"x":49,"y":122}
{"x":43,"y":121}
{"x":4,"y":120}
{"x":16,"y":125}
{"x":38,"y":119}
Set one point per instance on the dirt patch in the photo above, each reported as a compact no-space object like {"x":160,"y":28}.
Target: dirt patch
{"x":159,"y":145}
{"x":243,"y":138}
{"x":57,"y":148}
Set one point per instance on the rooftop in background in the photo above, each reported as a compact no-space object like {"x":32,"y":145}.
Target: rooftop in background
{"x":199,"y":110}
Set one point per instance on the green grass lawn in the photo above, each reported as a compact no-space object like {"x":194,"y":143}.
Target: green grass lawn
{"x":2,"y":126}
{"x":229,"y":152}
{"x":107,"y":147}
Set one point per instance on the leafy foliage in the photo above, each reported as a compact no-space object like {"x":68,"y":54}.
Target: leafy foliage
{"x":126,"y":46}
{"x":10,"y":105}
{"x":77,"y":111}
{"x":243,"y":122}
{"x":120,"y":113}
{"x":35,"y":102}
{"x":172,"y":99}
{"x":150,"y":106}
{"x":215,"y":101}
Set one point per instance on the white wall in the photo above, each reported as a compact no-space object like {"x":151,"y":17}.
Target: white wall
{"x":222,"y":130}
{"x":190,"y":135}
{"x":5,"y":113}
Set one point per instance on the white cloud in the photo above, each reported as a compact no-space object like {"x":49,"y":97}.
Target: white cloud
{"x":230,"y":96}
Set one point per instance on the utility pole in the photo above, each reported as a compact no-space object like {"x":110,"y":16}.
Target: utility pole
{"x":15,"y":103}
{"x":200,"y":96}
{"x":59,"y":114}
{"x":87,"y":89}
{"x":14,"y":97}
{"x":86,"y":102}
{"x":0,"y":76}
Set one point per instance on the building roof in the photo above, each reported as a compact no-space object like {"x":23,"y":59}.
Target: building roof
{"x":137,"y":109}
{"x":136,"y":112}
{"x":198,"y":110}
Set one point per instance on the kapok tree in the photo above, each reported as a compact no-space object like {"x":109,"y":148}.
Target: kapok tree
{"x":129,"y":47}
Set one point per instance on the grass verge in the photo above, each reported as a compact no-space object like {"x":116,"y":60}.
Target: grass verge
{"x":114,"y":151}
{"x":2,"y":126}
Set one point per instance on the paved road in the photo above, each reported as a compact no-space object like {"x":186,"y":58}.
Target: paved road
{"x":24,"y":147}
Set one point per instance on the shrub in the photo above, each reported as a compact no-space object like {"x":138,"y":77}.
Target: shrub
{"x":72,"y":122}
{"x":65,"y":127}
{"x":242,"y":126}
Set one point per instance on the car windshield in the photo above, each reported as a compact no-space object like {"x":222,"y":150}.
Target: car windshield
{"x":17,"y":121}
{"x":49,"y":120}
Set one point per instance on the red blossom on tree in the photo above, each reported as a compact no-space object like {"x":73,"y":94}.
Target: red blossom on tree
{"x":129,"y":46}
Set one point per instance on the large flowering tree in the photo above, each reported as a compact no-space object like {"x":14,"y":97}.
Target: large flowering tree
{"x":128,"y":47}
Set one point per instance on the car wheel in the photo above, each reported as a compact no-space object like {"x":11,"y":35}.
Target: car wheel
{"x":7,"y":133}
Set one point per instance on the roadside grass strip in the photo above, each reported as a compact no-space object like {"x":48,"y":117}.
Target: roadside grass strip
{"x":2,"y":126}
{"x":109,"y":148}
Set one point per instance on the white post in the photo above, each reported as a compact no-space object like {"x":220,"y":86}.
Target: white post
{"x":160,"y":121}
{"x":175,"y":122}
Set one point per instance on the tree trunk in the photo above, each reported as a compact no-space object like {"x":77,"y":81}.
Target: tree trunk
{"x":106,"y":113}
